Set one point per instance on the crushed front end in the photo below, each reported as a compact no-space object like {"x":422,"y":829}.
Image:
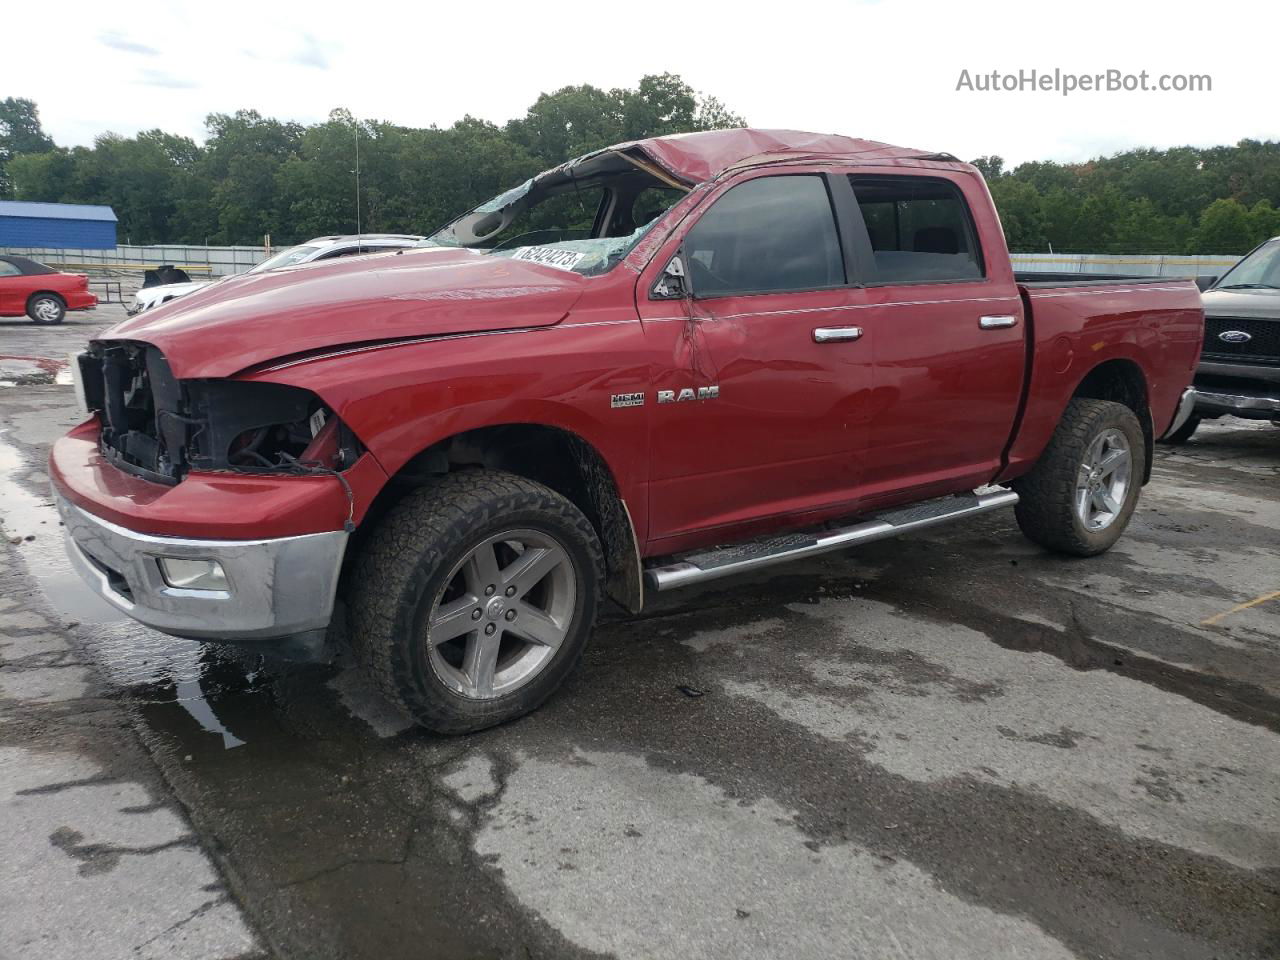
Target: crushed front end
{"x":213,"y":509}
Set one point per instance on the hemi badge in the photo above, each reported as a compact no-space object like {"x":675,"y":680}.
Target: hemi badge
{"x":626,"y":400}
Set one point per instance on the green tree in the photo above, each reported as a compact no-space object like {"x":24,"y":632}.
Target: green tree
{"x":1224,"y":228}
{"x":1264,"y":222}
{"x":714,"y":115}
{"x":243,"y":155}
{"x":1021,"y":216}
{"x":992,"y":167}
{"x":20,"y":133}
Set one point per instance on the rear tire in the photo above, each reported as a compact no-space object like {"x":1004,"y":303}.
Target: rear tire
{"x":47,"y":308}
{"x":1081,"y":494}
{"x":1183,"y":433}
{"x":448,"y":561}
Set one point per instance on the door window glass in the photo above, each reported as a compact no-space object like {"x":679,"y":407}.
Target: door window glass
{"x":770,"y":234}
{"x":920,"y":229}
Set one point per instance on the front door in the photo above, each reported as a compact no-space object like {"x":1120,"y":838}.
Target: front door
{"x":761,"y":376}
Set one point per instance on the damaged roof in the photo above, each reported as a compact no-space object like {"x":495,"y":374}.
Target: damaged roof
{"x":698,"y":157}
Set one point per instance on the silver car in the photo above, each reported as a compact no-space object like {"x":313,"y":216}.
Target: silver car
{"x":321,"y":248}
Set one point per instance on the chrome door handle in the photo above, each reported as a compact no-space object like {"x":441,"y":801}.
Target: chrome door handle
{"x":835,"y":334}
{"x":997,"y":322}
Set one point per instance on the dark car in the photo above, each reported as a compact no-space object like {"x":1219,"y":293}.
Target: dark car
{"x":41,"y":292}
{"x":1239,"y":372}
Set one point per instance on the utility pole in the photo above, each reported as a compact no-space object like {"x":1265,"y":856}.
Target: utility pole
{"x":357,"y":122}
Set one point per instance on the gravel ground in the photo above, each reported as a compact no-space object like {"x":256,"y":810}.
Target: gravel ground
{"x":952,"y":745}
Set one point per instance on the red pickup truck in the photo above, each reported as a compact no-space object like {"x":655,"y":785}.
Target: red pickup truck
{"x":658,"y":364}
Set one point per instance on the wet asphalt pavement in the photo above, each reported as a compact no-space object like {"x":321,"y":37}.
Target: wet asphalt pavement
{"x":952,"y":745}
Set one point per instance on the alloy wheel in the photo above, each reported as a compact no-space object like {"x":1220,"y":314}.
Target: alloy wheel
{"x":1103,"y":479}
{"x":505,"y":609}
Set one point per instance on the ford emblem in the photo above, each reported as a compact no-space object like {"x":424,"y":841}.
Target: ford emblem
{"x":1234,"y":336}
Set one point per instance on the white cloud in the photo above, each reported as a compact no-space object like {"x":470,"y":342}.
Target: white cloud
{"x":877,"y":70}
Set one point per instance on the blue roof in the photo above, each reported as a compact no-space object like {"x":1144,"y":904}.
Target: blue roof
{"x":55,"y":211}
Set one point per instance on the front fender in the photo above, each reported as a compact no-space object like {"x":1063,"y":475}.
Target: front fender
{"x":402,"y":399}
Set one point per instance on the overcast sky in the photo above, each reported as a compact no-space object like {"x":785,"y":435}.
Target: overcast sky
{"x":868,"y":68}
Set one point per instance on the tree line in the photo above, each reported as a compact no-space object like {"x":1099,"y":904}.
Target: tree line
{"x":1185,"y":200}
{"x":255,"y":175}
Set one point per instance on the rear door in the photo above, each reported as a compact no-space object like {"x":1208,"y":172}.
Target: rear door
{"x":946,"y":323}
{"x":760,"y":376}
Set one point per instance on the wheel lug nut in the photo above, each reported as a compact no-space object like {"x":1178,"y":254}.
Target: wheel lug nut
{"x":489,"y":590}
{"x":477,"y":613}
{"x":511,"y":591}
{"x":511,"y":614}
{"x":490,"y":629}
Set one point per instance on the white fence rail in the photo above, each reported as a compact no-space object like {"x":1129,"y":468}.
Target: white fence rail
{"x":220,"y":261}
{"x":196,"y":260}
{"x":1142,"y":265}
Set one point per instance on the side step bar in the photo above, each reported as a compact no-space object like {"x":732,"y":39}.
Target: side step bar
{"x":755,"y":554}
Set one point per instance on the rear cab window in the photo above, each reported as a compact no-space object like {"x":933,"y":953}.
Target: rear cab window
{"x":772,"y":234}
{"x":920,"y":229}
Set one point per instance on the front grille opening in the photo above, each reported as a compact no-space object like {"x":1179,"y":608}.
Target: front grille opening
{"x":1249,"y":340}
{"x":142,"y":425}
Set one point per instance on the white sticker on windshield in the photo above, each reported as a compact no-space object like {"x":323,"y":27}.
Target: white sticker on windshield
{"x":549,"y":257}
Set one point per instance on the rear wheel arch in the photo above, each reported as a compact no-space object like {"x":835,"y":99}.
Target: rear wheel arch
{"x":555,"y":457}
{"x":1122,"y":381}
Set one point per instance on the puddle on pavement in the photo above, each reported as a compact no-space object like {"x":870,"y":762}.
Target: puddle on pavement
{"x":128,"y":653}
{"x":24,"y":515}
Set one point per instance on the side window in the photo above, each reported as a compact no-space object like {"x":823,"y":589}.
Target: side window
{"x":7,"y":269}
{"x":766,"y":235}
{"x":920,"y":229}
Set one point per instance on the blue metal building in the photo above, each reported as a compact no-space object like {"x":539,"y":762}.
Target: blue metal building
{"x":56,"y":225}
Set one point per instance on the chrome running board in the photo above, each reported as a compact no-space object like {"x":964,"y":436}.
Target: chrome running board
{"x":755,"y":554}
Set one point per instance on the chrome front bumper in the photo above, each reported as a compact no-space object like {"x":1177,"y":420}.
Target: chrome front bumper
{"x":1253,"y":406}
{"x":275,"y":588}
{"x":1186,"y":406}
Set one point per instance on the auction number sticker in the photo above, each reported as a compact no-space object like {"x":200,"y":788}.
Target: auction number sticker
{"x":549,"y":257}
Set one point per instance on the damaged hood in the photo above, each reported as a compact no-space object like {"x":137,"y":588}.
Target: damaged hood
{"x":243,"y":321}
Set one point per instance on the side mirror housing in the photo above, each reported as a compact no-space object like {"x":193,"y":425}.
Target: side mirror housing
{"x":673,"y":284}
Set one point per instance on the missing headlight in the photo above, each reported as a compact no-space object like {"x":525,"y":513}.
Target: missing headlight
{"x":246,"y":425}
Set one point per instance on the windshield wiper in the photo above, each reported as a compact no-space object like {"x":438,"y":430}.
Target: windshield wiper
{"x":1249,"y":286}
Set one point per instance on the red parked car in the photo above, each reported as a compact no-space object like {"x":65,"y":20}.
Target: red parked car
{"x":41,"y":292}
{"x":659,"y":364}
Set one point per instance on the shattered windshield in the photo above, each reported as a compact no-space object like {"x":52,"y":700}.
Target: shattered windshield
{"x":586,"y":225}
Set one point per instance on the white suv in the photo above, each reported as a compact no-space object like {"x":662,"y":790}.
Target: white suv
{"x":321,"y":248}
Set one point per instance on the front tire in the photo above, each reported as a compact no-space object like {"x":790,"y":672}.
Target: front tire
{"x":46,"y":308}
{"x":1083,"y":490}
{"x":473,"y":599}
